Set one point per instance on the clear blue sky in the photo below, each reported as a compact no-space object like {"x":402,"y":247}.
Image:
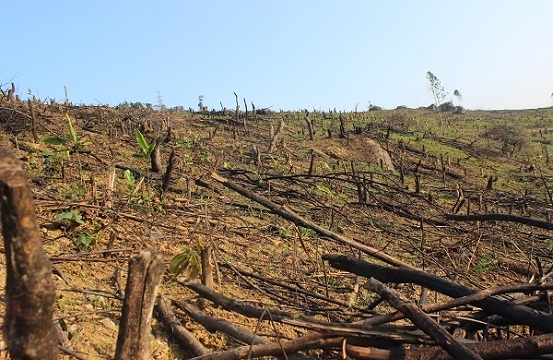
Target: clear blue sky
{"x":285,"y":54}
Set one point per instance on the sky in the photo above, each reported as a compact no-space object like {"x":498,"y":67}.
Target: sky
{"x":280,"y":54}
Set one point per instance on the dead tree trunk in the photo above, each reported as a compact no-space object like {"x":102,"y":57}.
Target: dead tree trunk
{"x":145,"y":274}
{"x":11,"y":93}
{"x":33,"y":122}
{"x":30,"y":293}
{"x":309,"y":126}
{"x":155,"y":156}
{"x":277,"y":136}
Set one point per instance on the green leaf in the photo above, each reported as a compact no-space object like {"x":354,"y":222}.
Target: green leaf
{"x":325,"y":190}
{"x":72,"y":215}
{"x":179,"y":263}
{"x":68,"y":215}
{"x":151,"y":148}
{"x":55,"y":140}
{"x":71,"y":130}
{"x":129,"y":178}
{"x":139,"y":156}
{"x":195,"y":265}
{"x":85,"y":240}
{"x":141,"y":140}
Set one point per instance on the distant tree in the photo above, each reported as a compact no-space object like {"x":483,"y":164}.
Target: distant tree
{"x":201,"y":99}
{"x":458,"y":95}
{"x":436,"y":87}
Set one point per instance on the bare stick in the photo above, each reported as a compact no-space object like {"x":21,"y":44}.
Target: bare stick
{"x":277,"y":136}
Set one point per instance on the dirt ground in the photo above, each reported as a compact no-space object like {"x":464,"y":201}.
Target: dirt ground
{"x":90,"y":253}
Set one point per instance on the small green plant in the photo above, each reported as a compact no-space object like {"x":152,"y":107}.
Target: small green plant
{"x":64,"y":148}
{"x":146,"y":148}
{"x":69,"y":144}
{"x":72,"y":192}
{"x":485,"y":263}
{"x":189,"y":260}
{"x":130,"y":180}
{"x":84,"y":240}
{"x":71,"y":218}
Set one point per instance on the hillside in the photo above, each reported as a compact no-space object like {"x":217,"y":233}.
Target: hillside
{"x":453,"y":195}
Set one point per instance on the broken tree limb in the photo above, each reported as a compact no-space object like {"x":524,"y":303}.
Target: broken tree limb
{"x":502,"y":217}
{"x":423,"y":322}
{"x":519,"y":348}
{"x":213,"y":324}
{"x":307,"y":342}
{"x":290,"y":215}
{"x":185,"y":337}
{"x":145,"y":274}
{"x":28,"y":324}
{"x":329,"y":328}
{"x":517,"y":314}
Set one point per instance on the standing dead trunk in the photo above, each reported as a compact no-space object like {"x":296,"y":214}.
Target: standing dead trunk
{"x":30,"y":295}
{"x":145,"y":274}
{"x":309,"y":126}
{"x":33,"y":122}
{"x":277,"y":136}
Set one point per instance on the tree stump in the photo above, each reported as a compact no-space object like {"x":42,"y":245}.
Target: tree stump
{"x":30,"y":295}
{"x":145,"y":274}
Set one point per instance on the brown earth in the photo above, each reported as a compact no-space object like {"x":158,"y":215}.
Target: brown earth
{"x":90,"y":259}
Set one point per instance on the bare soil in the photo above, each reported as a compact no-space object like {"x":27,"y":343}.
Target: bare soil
{"x":386,"y":212}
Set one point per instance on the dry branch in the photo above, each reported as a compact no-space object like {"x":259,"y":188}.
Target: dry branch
{"x":185,"y":337}
{"x":277,"y":136}
{"x":213,"y":324}
{"x":304,"y":321}
{"x":423,"y":322}
{"x":517,"y":314}
{"x":312,"y":341}
{"x":290,"y":215}
{"x":519,"y":348}
{"x":33,"y":121}
{"x":502,"y":217}
{"x":30,"y":295}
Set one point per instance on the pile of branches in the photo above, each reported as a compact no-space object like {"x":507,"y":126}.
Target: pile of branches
{"x":511,"y":321}
{"x":496,"y":323}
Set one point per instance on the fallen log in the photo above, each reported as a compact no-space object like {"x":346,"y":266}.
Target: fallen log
{"x":519,"y":348}
{"x":517,"y":314}
{"x":502,"y":217}
{"x":290,"y":215}
{"x":184,"y":337}
{"x":423,"y":322}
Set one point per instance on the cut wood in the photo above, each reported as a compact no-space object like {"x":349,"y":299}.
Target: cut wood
{"x":30,"y":295}
{"x":290,"y":215}
{"x":184,"y":337}
{"x":516,"y":314}
{"x":145,"y":274}
{"x":213,"y":324}
{"x":423,"y":322}
{"x":502,"y":217}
